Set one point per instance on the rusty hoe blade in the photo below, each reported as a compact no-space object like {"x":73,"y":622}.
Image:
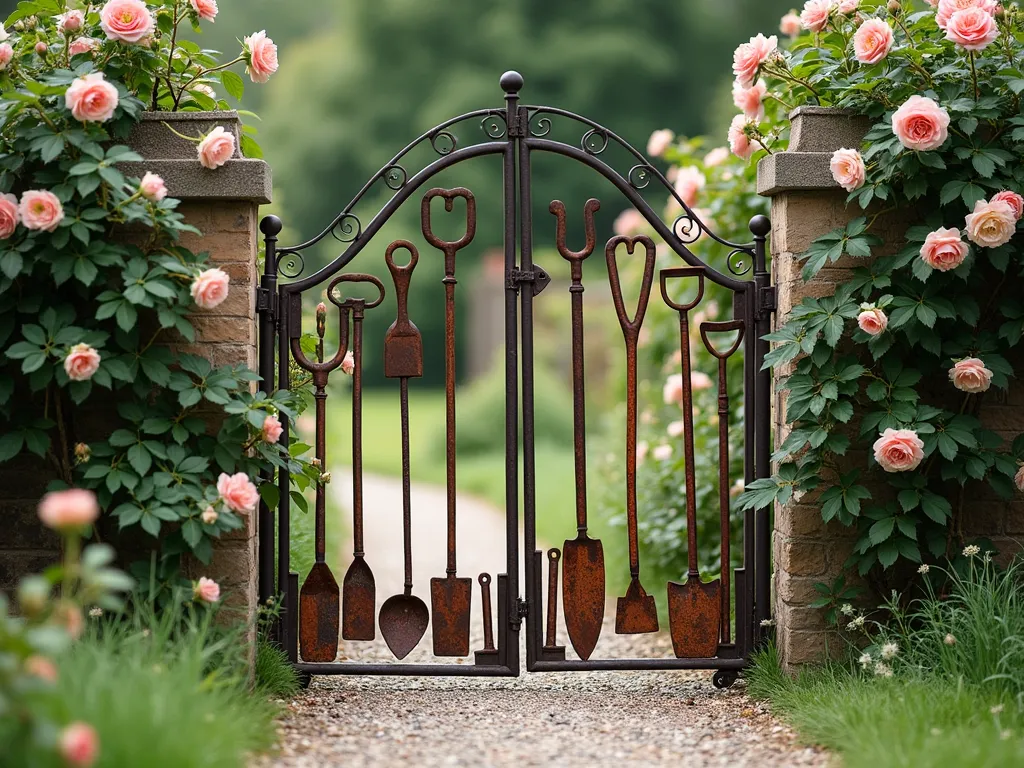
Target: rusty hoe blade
{"x":403,"y":345}
{"x":583,"y":573}
{"x":403,"y":618}
{"x":359,"y":592}
{"x":450,"y":596}
{"x":635,"y":612}
{"x":551,"y":641}
{"x":488,"y":652}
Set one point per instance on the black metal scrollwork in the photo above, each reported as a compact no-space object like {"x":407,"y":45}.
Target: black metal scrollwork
{"x":291,"y":264}
{"x":594,"y":141}
{"x":444,"y":142}
{"x":347,"y":228}
{"x":395,"y":176}
{"x":740,"y":261}
{"x":687,"y":227}
{"x":640,"y":176}
{"x":494,"y":126}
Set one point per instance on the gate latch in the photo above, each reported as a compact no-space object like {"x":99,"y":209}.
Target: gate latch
{"x":265,"y":300}
{"x":522,"y":611}
{"x":537,"y":276}
{"x":767,"y":301}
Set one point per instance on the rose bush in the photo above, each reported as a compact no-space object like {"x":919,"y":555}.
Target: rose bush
{"x":896,"y":364}
{"x":89,"y":315}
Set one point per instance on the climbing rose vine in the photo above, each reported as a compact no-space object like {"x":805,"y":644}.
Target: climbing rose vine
{"x":886,"y":378}
{"x":95,"y":289}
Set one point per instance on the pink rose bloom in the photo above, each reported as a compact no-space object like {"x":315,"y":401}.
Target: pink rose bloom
{"x":68,"y":509}
{"x":210,"y":288}
{"x":216,"y":148}
{"x":662,"y":452}
{"x":689,"y":182}
{"x":675,"y":428}
{"x":748,"y":58}
{"x":272,"y":429}
{"x":815,"y":14}
{"x":700,"y":380}
{"x":206,"y":9}
{"x":41,"y":48}
{"x":82,"y":362}
{"x":71,"y":21}
{"x":629,"y":222}
{"x":899,"y":450}
{"x":1018,"y":479}
{"x":848,"y":6}
{"x":672,"y":391}
{"x":660,"y":141}
{"x":920,"y":124}
{"x":872,"y":41}
{"x":946,"y":8}
{"x":641,"y":451}
{"x":6,"y":54}
{"x":206,"y":590}
{"x":716,"y":157}
{"x":991,"y":224}
{"x":872,"y":321}
{"x":210,"y":515}
{"x":8,"y":215}
{"x":238,"y":491}
{"x":41,"y":667}
{"x":970,"y":375}
{"x":348,"y":363}
{"x":973,"y":29}
{"x":126,"y":20}
{"x":790,"y":25}
{"x":261,"y":54}
{"x":739,"y":143}
{"x":1012,"y":199}
{"x":750,"y":100}
{"x":83,"y":45}
{"x":40,"y":209}
{"x":152,"y":187}
{"x":848,"y":169}
{"x":943,"y":249}
{"x":91,"y":98}
{"x":79,"y":745}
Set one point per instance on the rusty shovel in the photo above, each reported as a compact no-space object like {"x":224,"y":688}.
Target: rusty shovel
{"x":450,"y":596}
{"x":583,"y":574}
{"x":694,"y":607}
{"x":635,"y":612}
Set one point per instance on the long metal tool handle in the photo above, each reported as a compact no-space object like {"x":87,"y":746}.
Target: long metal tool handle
{"x":688,"y":451}
{"x":723,"y":490}
{"x":553,"y":557}
{"x":631,"y":333}
{"x":485,"y":591}
{"x":449,"y":403}
{"x":357,"y":429}
{"x":406,"y":486}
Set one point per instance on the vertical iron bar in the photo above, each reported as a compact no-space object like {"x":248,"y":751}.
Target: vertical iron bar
{"x":511,"y":82}
{"x":760,"y":226}
{"x":746,"y":639}
{"x":270,"y":226}
{"x":289,"y":605}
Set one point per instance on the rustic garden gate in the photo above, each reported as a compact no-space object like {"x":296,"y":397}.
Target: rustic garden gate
{"x":704,"y":633}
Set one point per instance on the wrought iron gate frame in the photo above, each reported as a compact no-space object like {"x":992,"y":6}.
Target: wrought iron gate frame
{"x":516,"y":132}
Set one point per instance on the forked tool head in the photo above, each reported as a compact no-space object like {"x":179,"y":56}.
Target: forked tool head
{"x":449,"y":247}
{"x":557,"y":207}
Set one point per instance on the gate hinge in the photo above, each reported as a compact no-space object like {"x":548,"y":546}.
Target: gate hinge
{"x":768,"y":301}
{"x":538,"y":277}
{"x":520,"y":122}
{"x":265,"y":300}
{"x":522,"y":611}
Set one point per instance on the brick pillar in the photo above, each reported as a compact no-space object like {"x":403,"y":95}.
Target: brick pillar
{"x":223,"y":204}
{"x":807,"y":203}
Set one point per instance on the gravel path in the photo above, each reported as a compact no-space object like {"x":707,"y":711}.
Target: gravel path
{"x":549,"y":719}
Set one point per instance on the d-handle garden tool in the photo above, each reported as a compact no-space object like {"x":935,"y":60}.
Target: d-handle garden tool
{"x":403,"y":617}
{"x":694,"y":607}
{"x":450,"y":596}
{"x":583,"y":572}
{"x":636,"y":612}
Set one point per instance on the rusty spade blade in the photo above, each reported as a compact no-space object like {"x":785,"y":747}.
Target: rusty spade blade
{"x":450,"y":596}
{"x":694,"y":615}
{"x":583,"y":573}
{"x":636,"y":611}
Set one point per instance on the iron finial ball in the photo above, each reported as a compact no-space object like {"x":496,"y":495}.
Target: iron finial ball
{"x":511,"y":81}
{"x":270,"y":226}
{"x":760,"y":225}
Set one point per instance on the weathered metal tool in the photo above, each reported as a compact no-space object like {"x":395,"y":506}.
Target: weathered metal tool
{"x":635,"y":612}
{"x":693,"y":607}
{"x":450,"y":596}
{"x":403,"y":617}
{"x":359,"y":591}
{"x":486,"y":654}
{"x":551,"y":641}
{"x":583,"y":573}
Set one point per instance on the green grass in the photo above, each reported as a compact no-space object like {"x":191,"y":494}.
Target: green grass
{"x":873,"y":722}
{"x":169,"y":691}
{"x":275,"y":676}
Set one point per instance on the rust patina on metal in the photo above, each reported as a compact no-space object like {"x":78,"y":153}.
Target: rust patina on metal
{"x":635,"y":612}
{"x":583,"y":574}
{"x":450,"y":596}
{"x":488,"y":653}
{"x":551,"y":646}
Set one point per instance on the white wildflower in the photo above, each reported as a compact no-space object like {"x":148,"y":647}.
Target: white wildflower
{"x":882,"y":669}
{"x":325,"y":478}
{"x":96,"y":612}
{"x":846,"y":609}
{"x":924,"y":569}
{"x":865,"y":660}
{"x":949,"y":639}
{"x":971,"y":550}
{"x":1006,"y":735}
{"x":997,"y":709}
{"x":856,"y":623}
{"x":890,"y":651}
{"x":767,"y":622}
